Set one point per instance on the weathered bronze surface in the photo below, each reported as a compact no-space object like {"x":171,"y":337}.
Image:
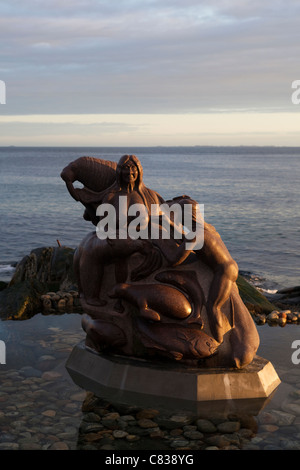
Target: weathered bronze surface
{"x":156,"y":299}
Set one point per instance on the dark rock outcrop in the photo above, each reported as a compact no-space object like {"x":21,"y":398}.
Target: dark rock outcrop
{"x":50,"y":269}
{"x":287,"y":297}
{"x":44,"y":269}
{"x":254,"y":300}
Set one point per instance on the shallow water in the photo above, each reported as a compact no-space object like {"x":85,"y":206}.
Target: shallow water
{"x":40,"y":406}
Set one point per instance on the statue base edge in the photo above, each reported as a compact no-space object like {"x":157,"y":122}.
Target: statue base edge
{"x":121,"y":379}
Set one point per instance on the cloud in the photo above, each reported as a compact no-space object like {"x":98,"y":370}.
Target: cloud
{"x":155,"y":56}
{"x":238,"y":128}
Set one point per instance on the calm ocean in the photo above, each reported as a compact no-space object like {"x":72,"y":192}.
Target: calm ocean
{"x":250,"y":194}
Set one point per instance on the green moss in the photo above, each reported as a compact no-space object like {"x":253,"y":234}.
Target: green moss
{"x":21,"y":300}
{"x":254,"y":300}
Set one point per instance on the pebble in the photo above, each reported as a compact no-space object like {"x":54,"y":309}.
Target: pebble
{"x":277,"y":317}
{"x":193,"y":435}
{"x":179,"y":443}
{"x":205,"y":426}
{"x":147,"y":414}
{"x":282,"y":418}
{"x":9,"y":446}
{"x":30,"y":372}
{"x":51,"y":375}
{"x":228,"y":427}
{"x":42,"y":409}
{"x":269,"y":427}
{"x":50,"y":413}
{"x":119,"y":434}
{"x":132,"y":437}
{"x":146,"y":423}
{"x":59,"y":446}
{"x":218,"y":440}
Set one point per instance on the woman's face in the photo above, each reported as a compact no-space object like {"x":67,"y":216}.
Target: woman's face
{"x":129,"y":172}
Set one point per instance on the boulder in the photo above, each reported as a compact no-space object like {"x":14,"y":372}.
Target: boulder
{"x":289,"y":296}
{"x":44,"y":269}
{"x":20,"y":300}
{"x":48,"y":269}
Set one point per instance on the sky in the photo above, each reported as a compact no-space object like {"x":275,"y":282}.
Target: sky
{"x":149,"y":72}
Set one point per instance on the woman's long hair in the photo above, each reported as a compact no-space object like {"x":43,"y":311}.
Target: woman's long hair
{"x":148,"y":195}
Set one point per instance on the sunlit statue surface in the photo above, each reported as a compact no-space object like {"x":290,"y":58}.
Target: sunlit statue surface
{"x":148,"y":287}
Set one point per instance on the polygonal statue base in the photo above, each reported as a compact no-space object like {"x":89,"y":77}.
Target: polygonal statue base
{"x":139,"y":382}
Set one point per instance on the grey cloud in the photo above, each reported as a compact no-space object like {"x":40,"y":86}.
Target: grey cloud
{"x":148,"y":56}
{"x":66,"y":128}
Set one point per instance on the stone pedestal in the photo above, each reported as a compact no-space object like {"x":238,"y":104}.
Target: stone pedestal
{"x":128,"y":380}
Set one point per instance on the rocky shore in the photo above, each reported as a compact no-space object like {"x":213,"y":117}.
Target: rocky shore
{"x":44,"y":281}
{"x":41,"y":410}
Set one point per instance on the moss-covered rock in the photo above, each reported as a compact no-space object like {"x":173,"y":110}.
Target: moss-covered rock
{"x":52,"y":266}
{"x":254,"y":300}
{"x":21,"y":300}
{"x":44,"y":269}
{"x":51,"y":269}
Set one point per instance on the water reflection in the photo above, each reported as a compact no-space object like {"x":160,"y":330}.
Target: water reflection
{"x":42,"y":408}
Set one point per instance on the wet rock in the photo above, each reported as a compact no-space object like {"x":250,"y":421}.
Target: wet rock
{"x":282,"y":418}
{"x":132,"y":437}
{"x":156,"y":433}
{"x":146,"y":423}
{"x":293,"y":408}
{"x":288,"y":296}
{"x":260,"y":319}
{"x":43,"y":270}
{"x":51,"y":375}
{"x":254,"y":300}
{"x":282,"y":321}
{"x":147,"y":414}
{"x":129,"y":419}
{"x":80,"y":396}
{"x":217,"y":440}
{"x":268,"y":427}
{"x":59,"y":446}
{"x":205,"y":426}
{"x":193,"y":435}
{"x":179,"y":442}
{"x":292,"y":317}
{"x":229,"y":426}
{"x":49,"y":413}
{"x":28,"y":371}
{"x":289,"y":444}
{"x":267,"y":418}
{"x":30,"y":446}
{"x":90,"y":427}
{"x":181,"y":420}
{"x":92,"y":417}
{"x":118,"y":434}
{"x":273,"y":316}
{"x":9,"y":446}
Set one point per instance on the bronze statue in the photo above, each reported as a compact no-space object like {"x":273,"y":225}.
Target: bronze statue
{"x":155,"y":297}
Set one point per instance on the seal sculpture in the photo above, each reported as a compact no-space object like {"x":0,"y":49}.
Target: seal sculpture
{"x":154,"y":301}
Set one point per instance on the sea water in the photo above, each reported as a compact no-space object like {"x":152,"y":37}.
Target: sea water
{"x":250,"y":194}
